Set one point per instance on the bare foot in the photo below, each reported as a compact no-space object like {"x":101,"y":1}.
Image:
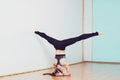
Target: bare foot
{"x":100,"y":33}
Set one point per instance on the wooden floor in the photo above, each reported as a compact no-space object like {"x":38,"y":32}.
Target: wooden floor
{"x":83,"y":71}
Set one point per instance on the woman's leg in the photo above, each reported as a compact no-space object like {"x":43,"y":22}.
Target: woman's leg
{"x":70,"y":41}
{"x":51,"y":40}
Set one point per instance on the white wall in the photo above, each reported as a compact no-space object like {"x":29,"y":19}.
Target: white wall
{"x":20,"y":49}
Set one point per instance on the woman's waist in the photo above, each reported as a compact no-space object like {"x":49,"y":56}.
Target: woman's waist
{"x":60,"y":52}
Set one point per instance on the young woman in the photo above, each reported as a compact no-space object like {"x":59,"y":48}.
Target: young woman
{"x":60,"y":64}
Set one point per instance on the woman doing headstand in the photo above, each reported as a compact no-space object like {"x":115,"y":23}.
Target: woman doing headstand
{"x":60,"y":64}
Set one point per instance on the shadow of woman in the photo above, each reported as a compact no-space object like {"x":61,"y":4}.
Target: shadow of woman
{"x":62,"y":78}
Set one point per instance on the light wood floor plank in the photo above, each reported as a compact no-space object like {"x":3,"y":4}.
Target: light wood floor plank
{"x":82,"y":71}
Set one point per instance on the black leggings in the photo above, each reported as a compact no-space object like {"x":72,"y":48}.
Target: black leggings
{"x":61,"y":44}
